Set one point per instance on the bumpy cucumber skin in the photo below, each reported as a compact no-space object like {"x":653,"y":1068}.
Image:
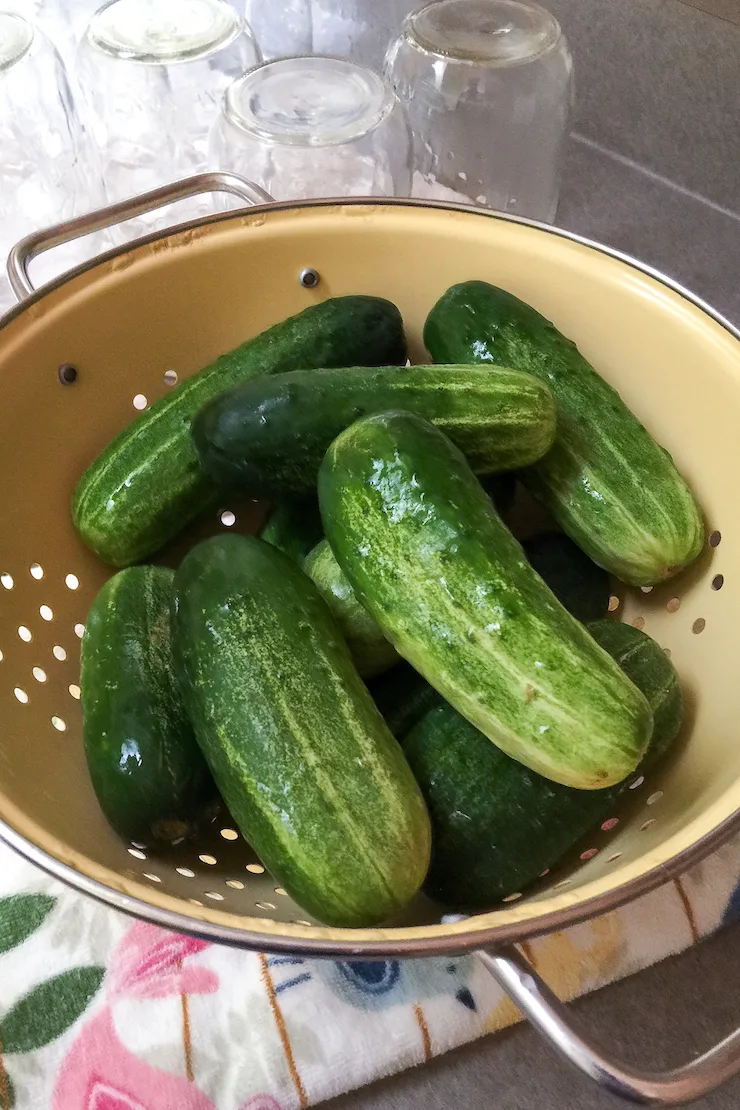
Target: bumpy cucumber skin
{"x":371,"y":652}
{"x":577,"y":582}
{"x":147,"y":771}
{"x":269,"y":436}
{"x":294,"y":527}
{"x":305,"y":762}
{"x":496,"y":826}
{"x":606,"y":481}
{"x":647,"y":665}
{"x":430,"y":559}
{"x":147,"y":484}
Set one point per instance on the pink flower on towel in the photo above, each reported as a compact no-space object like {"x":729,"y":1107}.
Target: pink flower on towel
{"x":99,"y":1073}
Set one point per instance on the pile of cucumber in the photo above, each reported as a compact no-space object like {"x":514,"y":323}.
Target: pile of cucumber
{"x":386,"y":689}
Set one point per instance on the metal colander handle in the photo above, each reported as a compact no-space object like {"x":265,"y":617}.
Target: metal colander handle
{"x":553,"y":1019}
{"x":32,"y":245}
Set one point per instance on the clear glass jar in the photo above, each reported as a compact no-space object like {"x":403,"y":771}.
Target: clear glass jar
{"x":355,"y":29}
{"x":48,"y":167}
{"x":487,"y":86}
{"x":153,"y":73}
{"x":314,"y":127}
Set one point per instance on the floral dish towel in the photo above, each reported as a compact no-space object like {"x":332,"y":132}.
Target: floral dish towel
{"x":100,"y":1012}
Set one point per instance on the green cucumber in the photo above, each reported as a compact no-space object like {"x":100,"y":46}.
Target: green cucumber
{"x":496,"y":826}
{"x":577,"y":582}
{"x":606,"y":481}
{"x":294,"y":527}
{"x":147,"y":771}
{"x":368,"y":646}
{"x":430,"y":559}
{"x":647,"y":665}
{"x":305,"y":763}
{"x":270,"y":435}
{"x":147,"y":484}
{"x":403,"y":697}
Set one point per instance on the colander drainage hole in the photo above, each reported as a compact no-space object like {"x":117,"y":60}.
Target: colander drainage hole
{"x":214,"y":895}
{"x":39,"y":674}
{"x":698,"y":626}
{"x":229,"y":834}
{"x":79,"y":630}
{"x":715,"y":538}
{"x":75,"y":691}
{"x":7,"y":581}
{"x":638,"y":782}
{"x":210,"y":860}
{"x":185,"y":872}
{"x":646,"y":824}
{"x":170,"y":377}
{"x":255,"y":868}
{"x":609,"y":824}
{"x":228,"y":519}
{"x":655,"y":797}
{"x":265,"y":905}
{"x":72,"y":582}
{"x":613,"y":603}
{"x":281,"y":890}
{"x":152,"y":878}
{"x":59,"y":653}
{"x":136,"y":853}
{"x":25,"y":633}
{"x":718,"y":581}
{"x":140,"y":402}
{"x":1,"y":657}
{"x":47,"y":613}
{"x":512,"y":897}
{"x":589,"y":854}
{"x":21,"y":695}
{"x":235,"y":884}
{"x":37,"y":571}
{"x":638,"y":622}
{"x":615,"y":856}
{"x":59,"y":724}
{"x":673,"y":604}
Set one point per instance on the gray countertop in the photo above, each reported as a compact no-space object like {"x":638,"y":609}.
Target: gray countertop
{"x":652,"y":170}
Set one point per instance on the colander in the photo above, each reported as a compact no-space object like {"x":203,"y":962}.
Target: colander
{"x":81,"y":356}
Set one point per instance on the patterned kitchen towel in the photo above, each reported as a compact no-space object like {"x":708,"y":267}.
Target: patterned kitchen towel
{"x":98,"y":1012}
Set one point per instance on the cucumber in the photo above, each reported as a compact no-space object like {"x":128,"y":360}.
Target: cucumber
{"x":371,"y":652}
{"x":496,"y":826}
{"x":403,"y":697}
{"x":270,"y":435}
{"x":147,"y":485}
{"x":430,"y":559}
{"x":294,"y":527}
{"x":305,"y":763}
{"x":606,"y":481}
{"x":577,"y":582}
{"x":147,"y":771}
{"x":647,"y":665}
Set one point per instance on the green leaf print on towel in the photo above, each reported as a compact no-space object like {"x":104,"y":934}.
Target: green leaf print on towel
{"x":21,"y":915}
{"x":49,"y":1009}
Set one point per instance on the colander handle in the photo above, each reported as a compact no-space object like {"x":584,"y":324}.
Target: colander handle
{"x":27,"y":249}
{"x":554,"y":1020}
